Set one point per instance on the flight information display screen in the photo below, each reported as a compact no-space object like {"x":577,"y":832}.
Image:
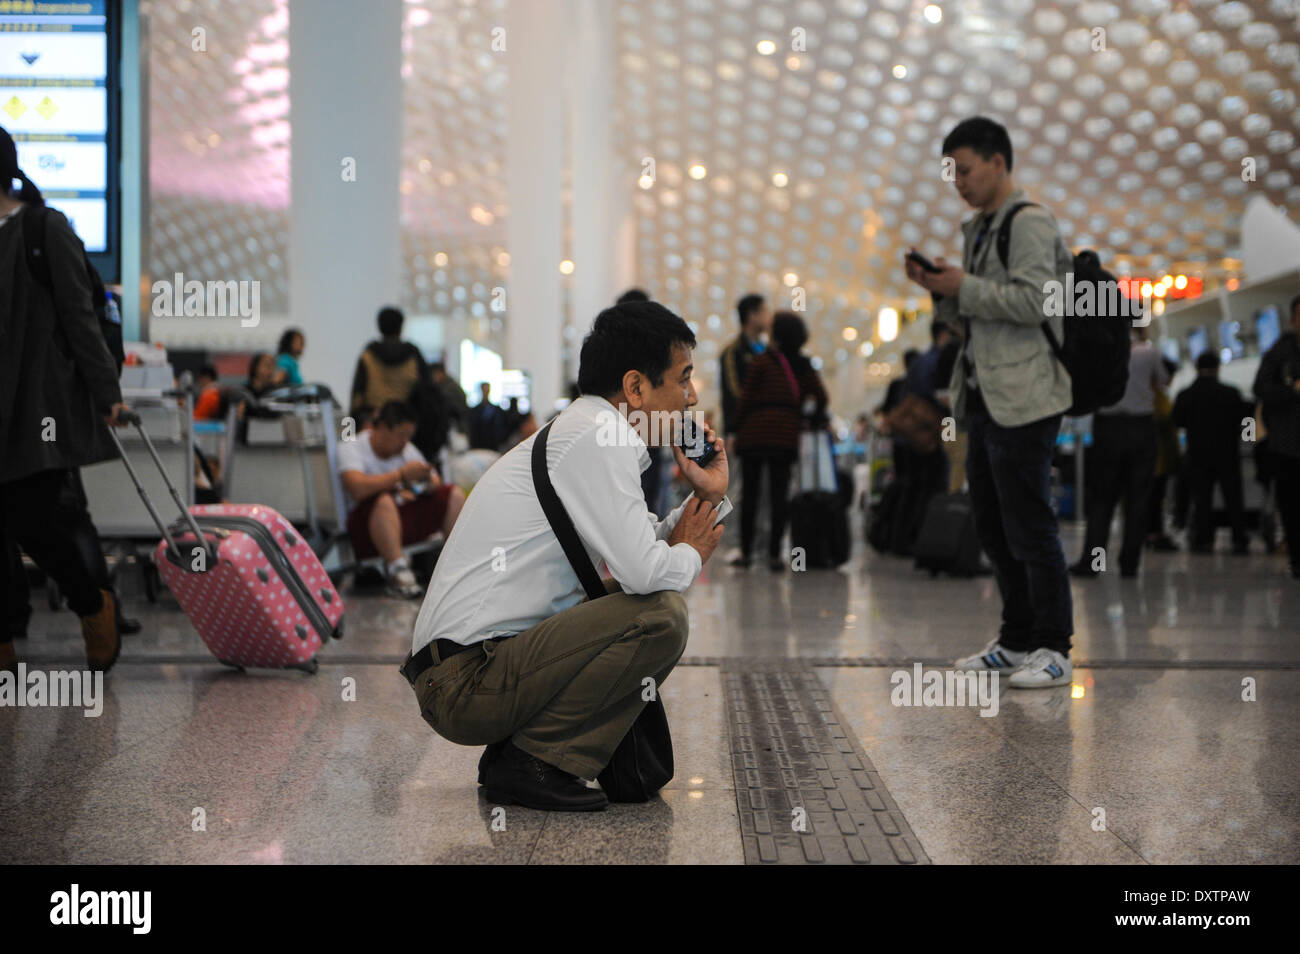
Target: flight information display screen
{"x":57,"y":100}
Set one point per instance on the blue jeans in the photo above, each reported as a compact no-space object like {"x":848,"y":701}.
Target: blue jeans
{"x":1009,"y":470}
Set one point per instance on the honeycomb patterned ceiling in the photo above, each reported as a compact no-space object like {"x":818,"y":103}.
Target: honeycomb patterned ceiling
{"x":796,"y":144}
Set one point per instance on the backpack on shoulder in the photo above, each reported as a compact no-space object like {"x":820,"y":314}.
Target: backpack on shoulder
{"x":1096,"y":348}
{"x":109,"y":317}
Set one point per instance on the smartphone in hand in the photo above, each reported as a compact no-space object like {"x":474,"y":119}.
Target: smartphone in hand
{"x":694,"y":445}
{"x":924,"y":262}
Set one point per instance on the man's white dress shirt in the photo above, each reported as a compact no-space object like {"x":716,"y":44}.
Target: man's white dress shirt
{"x":503,"y":570}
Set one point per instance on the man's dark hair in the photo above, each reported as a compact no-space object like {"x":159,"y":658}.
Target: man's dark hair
{"x":286,"y":340}
{"x":396,"y":413}
{"x":390,"y":321}
{"x":633,"y":336}
{"x":1207,"y":360}
{"x":909,"y":358}
{"x":437,"y":368}
{"x":939,"y":327}
{"x":632,"y":294}
{"x":1295,"y":303}
{"x":982,"y":135}
{"x":789,"y":332}
{"x":747,"y":306}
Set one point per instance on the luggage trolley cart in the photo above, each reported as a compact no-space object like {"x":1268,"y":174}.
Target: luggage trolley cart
{"x":301,"y":438}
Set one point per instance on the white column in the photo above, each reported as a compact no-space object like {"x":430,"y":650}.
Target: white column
{"x":593,"y":221}
{"x":536,"y":38}
{"x":345,"y":94}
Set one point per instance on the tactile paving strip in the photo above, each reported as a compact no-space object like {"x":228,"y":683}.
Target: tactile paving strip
{"x":790,"y":751}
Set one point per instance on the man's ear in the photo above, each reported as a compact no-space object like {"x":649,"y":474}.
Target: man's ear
{"x":634,"y":384}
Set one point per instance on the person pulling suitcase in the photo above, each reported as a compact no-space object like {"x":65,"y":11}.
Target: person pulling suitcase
{"x":58,"y":385}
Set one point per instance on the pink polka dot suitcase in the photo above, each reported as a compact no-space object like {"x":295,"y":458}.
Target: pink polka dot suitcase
{"x":247,"y":580}
{"x":261,"y":598}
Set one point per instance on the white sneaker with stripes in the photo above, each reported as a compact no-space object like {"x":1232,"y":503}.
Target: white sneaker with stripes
{"x":1042,"y":669}
{"x":993,"y":657}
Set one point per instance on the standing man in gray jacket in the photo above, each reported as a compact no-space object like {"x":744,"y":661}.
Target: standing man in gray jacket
{"x":1009,"y":392}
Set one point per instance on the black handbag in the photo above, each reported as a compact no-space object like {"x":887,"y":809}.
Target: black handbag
{"x":643,"y":762}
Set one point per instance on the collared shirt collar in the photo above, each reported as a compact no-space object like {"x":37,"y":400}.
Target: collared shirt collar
{"x":595,"y":406}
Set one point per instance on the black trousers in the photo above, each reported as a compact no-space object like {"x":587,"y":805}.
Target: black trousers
{"x":1203,"y":476}
{"x":1156,"y":506}
{"x":1121,"y":466}
{"x":1286,"y":484}
{"x":1009,"y":470}
{"x":777,"y":464}
{"x":44,"y":514}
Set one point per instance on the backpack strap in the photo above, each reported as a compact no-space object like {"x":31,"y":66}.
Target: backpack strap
{"x":1003,"y":240}
{"x":1003,"y":243}
{"x":33,"y":222}
{"x":561,"y":522}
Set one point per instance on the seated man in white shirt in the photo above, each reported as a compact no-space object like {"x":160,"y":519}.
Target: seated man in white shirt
{"x":506,"y":652}
{"x":394,"y":497}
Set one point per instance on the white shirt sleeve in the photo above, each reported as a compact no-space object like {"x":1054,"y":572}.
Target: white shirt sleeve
{"x":601,"y":489}
{"x":349,"y":456}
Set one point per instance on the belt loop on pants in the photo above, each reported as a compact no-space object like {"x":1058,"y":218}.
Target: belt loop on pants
{"x":431,"y":655}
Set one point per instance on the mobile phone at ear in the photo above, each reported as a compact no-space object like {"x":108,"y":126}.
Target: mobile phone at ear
{"x":694,"y":445}
{"x":924,"y":262}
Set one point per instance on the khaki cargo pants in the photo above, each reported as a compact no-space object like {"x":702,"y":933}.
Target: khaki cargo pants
{"x":568,"y":689}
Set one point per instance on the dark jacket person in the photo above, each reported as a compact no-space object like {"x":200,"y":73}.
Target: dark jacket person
{"x":58,"y":386}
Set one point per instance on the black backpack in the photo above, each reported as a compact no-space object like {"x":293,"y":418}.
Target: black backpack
{"x":1096,"y":348}
{"x":110,"y":322}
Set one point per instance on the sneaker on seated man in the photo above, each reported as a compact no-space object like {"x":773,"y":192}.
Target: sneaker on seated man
{"x":395,"y":498}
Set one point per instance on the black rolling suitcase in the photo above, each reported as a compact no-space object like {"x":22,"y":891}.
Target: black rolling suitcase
{"x":883,"y":515}
{"x":819,"y":523}
{"x":947,"y":542}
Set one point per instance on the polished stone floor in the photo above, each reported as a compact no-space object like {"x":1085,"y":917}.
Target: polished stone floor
{"x":1152,"y":755}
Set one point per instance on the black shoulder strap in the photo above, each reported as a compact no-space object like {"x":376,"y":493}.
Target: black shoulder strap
{"x":1004,"y":233}
{"x":560,"y":521}
{"x":33,"y":221}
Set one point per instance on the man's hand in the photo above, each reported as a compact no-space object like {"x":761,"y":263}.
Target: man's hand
{"x":945,"y":282}
{"x":709,"y":483}
{"x":695,"y":526}
{"x":114,"y":417}
{"x":415,"y":472}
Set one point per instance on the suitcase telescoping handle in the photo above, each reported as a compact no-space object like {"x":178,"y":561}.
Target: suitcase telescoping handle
{"x":130,"y":417}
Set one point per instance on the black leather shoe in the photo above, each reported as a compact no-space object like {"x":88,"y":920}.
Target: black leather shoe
{"x":127,"y":626}
{"x":517,"y":778}
{"x":1082,"y":569}
{"x":490,"y":755}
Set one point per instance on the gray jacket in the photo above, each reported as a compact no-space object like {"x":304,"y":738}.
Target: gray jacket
{"x":1017,"y":373}
{"x":57,"y":378}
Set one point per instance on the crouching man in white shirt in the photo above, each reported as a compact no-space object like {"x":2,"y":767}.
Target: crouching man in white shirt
{"x":506,"y":651}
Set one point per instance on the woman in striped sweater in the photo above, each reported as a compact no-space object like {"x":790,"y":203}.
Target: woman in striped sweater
{"x":783,"y":394}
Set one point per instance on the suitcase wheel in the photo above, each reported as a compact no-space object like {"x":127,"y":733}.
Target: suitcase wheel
{"x":232,"y":665}
{"x":309,"y":667}
{"x":338,"y":631}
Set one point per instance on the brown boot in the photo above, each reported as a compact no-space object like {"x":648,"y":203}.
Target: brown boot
{"x":8,"y":658}
{"x":100,"y":632}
